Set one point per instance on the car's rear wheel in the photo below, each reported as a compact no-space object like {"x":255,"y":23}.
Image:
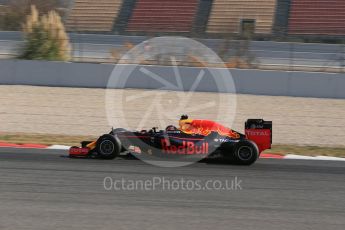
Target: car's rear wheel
{"x":108,"y":146}
{"x":246,"y":152}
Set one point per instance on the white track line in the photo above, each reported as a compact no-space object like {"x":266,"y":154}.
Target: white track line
{"x":59,"y":147}
{"x":288,"y":156}
{"x":325,"y":158}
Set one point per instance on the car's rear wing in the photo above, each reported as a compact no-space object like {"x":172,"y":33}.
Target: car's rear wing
{"x":260,"y":132}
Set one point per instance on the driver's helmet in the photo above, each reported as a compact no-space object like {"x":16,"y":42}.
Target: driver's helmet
{"x":185,"y":123}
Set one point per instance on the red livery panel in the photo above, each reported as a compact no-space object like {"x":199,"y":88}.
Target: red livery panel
{"x":262,"y":138}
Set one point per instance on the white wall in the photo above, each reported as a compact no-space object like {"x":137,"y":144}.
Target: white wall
{"x":280,"y":83}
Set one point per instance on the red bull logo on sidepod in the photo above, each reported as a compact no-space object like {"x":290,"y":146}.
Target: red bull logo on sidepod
{"x":186,"y":148}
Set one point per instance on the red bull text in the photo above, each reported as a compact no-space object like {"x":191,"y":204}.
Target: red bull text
{"x":186,"y":148}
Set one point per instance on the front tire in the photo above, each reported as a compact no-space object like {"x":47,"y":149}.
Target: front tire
{"x":246,"y":152}
{"x":108,"y":147}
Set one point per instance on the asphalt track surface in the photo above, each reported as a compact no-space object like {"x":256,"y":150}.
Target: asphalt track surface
{"x":42,"y":189}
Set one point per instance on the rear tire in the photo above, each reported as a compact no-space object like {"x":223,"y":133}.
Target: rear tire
{"x":246,"y":152}
{"x":108,"y":147}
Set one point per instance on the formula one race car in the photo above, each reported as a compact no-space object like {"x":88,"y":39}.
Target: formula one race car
{"x":194,"y":138}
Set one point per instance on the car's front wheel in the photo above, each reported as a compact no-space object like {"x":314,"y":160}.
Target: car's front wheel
{"x":108,"y":146}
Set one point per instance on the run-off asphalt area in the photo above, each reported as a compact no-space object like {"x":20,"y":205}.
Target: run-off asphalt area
{"x":81,"y":111}
{"x":47,"y":191}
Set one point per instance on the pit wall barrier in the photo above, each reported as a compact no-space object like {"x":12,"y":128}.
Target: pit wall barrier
{"x":257,"y":82}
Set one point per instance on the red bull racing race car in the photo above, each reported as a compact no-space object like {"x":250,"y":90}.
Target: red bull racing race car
{"x":193,"y":139}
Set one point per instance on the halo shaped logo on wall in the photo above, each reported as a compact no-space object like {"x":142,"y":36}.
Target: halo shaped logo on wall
{"x":141,"y":95}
